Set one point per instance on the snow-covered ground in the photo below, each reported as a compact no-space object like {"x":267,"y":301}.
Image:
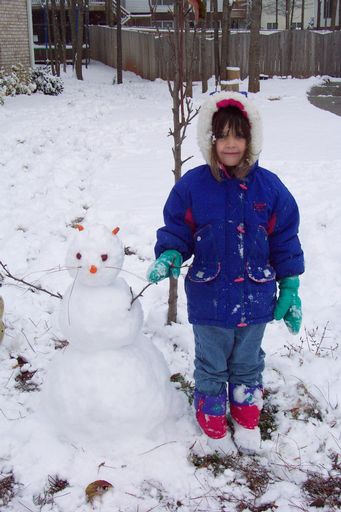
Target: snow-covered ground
{"x":100,"y":153}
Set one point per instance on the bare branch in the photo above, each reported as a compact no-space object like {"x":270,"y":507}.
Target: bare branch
{"x":26,"y":283}
{"x":140,"y":294}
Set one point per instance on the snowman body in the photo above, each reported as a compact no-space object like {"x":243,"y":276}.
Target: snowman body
{"x":110,"y":382}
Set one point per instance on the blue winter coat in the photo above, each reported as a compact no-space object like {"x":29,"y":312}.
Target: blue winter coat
{"x":243,"y":235}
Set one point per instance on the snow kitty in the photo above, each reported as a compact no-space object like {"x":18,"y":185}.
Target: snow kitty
{"x":241,"y":223}
{"x":110,"y":382}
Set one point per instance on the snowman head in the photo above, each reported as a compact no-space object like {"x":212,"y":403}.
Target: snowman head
{"x":95,"y":255}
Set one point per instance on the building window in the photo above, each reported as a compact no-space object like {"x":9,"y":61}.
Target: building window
{"x":272,"y":26}
{"x":295,"y":25}
{"x":165,"y":2}
{"x":164,"y":24}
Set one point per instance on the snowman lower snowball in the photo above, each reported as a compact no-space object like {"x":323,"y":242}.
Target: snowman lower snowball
{"x":110,"y":382}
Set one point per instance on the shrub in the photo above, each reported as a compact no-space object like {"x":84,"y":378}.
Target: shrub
{"x":19,"y":81}
{"x":46,"y":82}
{"x":27,"y":81}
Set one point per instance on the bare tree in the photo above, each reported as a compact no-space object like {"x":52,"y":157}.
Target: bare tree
{"x":56,"y":37}
{"x":203,"y":58}
{"x":152,"y":9}
{"x":79,"y":38}
{"x":183,"y":113}
{"x":225,"y":35}
{"x":119,"y":41}
{"x":333,"y":14}
{"x":72,"y":19}
{"x":254,"y":51}
{"x":293,"y":4}
{"x":63,"y":32}
{"x":302,"y":14}
{"x":216,"y":42}
{"x":318,"y":21}
{"x":109,"y":13}
{"x":49,"y":38}
{"x":287,"y":14}
{"x":276,"y":11}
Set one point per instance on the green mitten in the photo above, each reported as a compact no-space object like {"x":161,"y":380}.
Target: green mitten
{"x":288,"y":304}
{"x":167,"y":265}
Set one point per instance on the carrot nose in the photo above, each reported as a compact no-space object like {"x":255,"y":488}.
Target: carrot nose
{"x":93,"y":269}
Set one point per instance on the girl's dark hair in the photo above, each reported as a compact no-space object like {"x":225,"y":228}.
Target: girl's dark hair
{"x":223,"y":121}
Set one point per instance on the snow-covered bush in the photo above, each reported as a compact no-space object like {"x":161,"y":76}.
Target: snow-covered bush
{"x":19,"y":81}
{"x":46,"y":82}
{"x":26,"y":81}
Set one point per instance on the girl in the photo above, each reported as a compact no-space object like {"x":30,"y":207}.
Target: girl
{"x":241,"y":223}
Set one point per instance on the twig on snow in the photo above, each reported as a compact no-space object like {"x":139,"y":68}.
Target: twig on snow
{"x":30,"y":285}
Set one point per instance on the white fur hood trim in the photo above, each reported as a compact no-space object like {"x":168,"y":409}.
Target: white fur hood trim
{"x":204,"y":129}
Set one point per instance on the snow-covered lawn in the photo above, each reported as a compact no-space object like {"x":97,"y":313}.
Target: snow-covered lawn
{"x":100,"y":153}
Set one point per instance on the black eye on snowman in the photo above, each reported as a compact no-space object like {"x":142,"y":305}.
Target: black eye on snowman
{"x":104,"y":257}
{"x":78,"y":256}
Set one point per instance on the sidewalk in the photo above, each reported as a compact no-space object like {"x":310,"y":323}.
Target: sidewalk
{"x":327,"y":97}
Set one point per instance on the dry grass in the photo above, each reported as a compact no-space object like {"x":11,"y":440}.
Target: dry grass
{"x":54,"y":485}
{"x":325,"y":490}
{"x":7,"y":489}
{"x":184,"y":385}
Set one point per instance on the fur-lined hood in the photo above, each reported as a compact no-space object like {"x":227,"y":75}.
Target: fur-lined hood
{"x":226,"y":98}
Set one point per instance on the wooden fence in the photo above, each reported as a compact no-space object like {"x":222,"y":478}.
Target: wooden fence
{"x":299,"y":53}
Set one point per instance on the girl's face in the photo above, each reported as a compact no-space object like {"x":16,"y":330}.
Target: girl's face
{"x":230,"y":148}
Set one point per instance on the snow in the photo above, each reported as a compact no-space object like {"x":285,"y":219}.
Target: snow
{"x":99,"y":153}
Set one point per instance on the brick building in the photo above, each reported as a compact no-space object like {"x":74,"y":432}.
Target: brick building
{"x":15,"y":33}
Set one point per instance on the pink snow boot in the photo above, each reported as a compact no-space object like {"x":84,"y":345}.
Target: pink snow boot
{"x":211,"y":413}
{"x":245,"y":406}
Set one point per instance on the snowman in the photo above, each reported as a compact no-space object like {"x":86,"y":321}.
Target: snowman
{"x":110,"y":382}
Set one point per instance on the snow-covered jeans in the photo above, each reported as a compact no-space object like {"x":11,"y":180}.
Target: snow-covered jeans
{"x":227,"y":355}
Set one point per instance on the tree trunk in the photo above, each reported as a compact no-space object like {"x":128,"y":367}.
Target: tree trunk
{"x":203,"y":70}
{"x":287,"y":14}
{"x":333,"y":15}
{"x":225,"y":35}
{"x":172,"y":301}
{"x":72,"y":18}
{"x":119,"y":41}
{"x":86,"y":32}
{"x":63,"y":32}
{"x":176,"y":96}
{"x":254,"y":51}
{"x":318,"y":21}
{"x":302,"y":14}
{"x":79,"y":45}
{"x":108,"y":13}
{"x":276,"y":14}
{"x":216,"y":42}
{"x":56,"y":36}
{"x":292,"y":13}
{"x":49,"y":37}
{"x":182,"y":116}
{"x":189,"y":55}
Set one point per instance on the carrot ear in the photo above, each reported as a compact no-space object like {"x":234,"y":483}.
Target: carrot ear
{"x":79,"y":227}
{"x":115,"y":230}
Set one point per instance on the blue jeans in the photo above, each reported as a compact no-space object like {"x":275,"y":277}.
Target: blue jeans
{"x":227,"y":355}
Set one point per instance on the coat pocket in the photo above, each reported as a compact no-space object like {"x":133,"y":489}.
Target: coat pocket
{"x":203,"y":273}
{"x":206,"y":266}
{"x":260,"y":273}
